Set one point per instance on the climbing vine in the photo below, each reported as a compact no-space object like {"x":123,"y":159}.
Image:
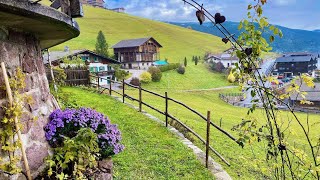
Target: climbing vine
{"x":9,"y":143}
{"x":284,"y":156}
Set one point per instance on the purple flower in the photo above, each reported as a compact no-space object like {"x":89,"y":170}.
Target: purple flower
{"x":68,"y":122}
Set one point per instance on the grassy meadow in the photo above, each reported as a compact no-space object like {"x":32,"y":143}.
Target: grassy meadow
{"x":177,"y":42}
{"x":151,"y":151}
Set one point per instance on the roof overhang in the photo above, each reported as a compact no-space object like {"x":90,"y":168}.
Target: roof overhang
{"x":49,"y":25}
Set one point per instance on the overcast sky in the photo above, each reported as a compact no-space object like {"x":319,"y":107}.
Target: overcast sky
{"x":298,"y":14}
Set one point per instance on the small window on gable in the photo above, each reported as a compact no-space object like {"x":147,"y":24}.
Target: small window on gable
{"x":95,"y":59}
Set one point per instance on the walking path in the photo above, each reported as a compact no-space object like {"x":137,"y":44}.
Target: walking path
{"x":211,"y":89}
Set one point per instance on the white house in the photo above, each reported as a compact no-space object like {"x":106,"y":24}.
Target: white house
{"x":226,"y":58}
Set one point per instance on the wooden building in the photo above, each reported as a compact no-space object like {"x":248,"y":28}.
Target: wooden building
{"x":137,"y":53}
{"x":295,"y":64}
{"x":99,"y":65}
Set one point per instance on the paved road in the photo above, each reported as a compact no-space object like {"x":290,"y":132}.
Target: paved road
{"x":266,"y":69}
{"x":135,"y":73}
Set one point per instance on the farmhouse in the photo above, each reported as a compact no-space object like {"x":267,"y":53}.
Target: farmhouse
{"x":137,"y":53}
{"x":119,"y":10}
{"x":95,"y":3}
{"x":295,"y":64}
{"x":99,"y":65}
{"x":226,"y":58}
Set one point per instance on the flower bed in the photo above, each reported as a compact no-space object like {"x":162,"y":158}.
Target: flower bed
{"x":68,"y":122}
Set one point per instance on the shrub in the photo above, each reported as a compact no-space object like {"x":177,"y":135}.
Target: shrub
{"x":169,"y":67}
{"x":135,"y":81}
{"x":181,"y":69}
{"x":155,"y":73}
{"x":68,"y":122}
{"x":145,"y":77}
{"x":76,"y":156}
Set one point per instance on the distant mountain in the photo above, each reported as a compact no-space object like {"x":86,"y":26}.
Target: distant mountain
{"x":294,"y":40}
{"x":317,"y":30}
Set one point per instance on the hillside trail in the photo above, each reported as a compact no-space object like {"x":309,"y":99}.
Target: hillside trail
{"x":211,"y":89}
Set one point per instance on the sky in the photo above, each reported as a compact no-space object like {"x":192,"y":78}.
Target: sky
{"x":297,"y":14}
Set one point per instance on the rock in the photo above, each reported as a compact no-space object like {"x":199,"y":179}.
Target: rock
{"x":36,"y":155}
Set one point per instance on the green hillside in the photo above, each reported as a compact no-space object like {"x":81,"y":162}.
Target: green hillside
{"x":177,"y":42}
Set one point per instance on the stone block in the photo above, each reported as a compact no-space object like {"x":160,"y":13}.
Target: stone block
{"x":36,"y":155}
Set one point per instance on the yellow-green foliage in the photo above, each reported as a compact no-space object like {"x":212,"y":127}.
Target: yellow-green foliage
{"x":177,"y":42}
{"x":9,"y":145}
{"x":145,"y":77}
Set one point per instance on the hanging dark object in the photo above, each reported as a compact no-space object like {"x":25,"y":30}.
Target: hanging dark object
{"x":219,"y":19}
{"x":248,"y":51}
{"x":200,"y":16}
{"x":225,"y":40}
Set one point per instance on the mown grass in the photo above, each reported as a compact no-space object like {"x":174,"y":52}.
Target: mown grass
{"x":151,"y":151}
{"x":195,"y":77}
{"x":177,"y":42}
{"x":244,"y":164}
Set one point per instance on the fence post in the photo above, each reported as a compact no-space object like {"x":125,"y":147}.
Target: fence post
{"x":140,"y":98}
{"x":123,"y":84}
{"x":110,"y":87}
{"x":98,"y":79}
{"x":208,"y":138}
{"x":166,"y":95}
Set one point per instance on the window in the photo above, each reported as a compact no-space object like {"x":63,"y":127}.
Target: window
{"x":142,"y":64}
{"x":95,"y":59}
{"x":101,"y":68}
{"x":109,"y":68}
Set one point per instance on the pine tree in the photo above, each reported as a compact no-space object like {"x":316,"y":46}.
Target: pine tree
{"x":196,"y":61}
{"x":185,"y":62}
{"x":102,"y":45}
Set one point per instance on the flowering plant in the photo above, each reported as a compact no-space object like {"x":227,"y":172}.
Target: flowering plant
{"x":68,"y":122}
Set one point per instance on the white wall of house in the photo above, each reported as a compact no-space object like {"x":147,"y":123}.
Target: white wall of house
{"x":99,"y":67}
{"x":226,"y":62}
{"x":137,"y":65}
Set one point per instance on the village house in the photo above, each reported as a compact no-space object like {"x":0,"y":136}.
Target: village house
{"x":119,"y":10}
{"x":296,"y":63}
{"x":100,"y":65}
{"x":226,"y":58}
{"x":137,"y":53}
{"x":313,"y":95}
{"x":95,"y":3}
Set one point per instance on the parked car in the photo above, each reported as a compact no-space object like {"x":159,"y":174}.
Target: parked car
{"x":280,"y":76}
{"x":285,"y":80}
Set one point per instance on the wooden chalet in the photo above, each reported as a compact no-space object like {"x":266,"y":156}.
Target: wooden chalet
{"x":137,"y":53}
{"x":99,"y":65}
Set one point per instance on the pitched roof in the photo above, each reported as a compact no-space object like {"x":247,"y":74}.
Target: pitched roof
{"x":58,"y":55}
{"x":296,"y":57}
{"x":133,"y":42}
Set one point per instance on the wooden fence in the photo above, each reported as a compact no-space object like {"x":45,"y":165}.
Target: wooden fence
{"x":75,"y":76}
{"x":167,"y":114}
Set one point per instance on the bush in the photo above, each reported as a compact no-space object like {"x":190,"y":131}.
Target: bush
{"x":76,"y":156}
{"x":169,"y":67}
{"x":181,"y":69}
{"x":68,"y":122}
{"x":135,"y":81}
{"x":155,"y":73}
{"x":145,"y":77}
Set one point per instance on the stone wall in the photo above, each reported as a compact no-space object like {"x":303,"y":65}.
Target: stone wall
{"x":18,"y":49}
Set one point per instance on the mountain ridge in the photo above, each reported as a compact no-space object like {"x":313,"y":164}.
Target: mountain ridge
{"x":294,"y":40}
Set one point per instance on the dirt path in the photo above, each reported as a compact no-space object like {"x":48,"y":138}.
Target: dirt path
{"x":212,"y":89}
